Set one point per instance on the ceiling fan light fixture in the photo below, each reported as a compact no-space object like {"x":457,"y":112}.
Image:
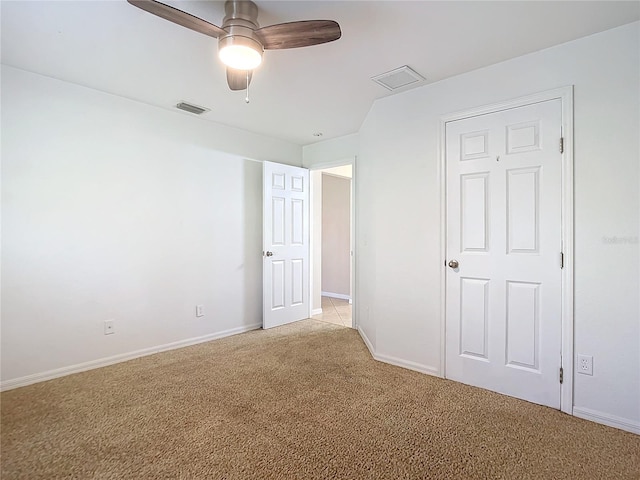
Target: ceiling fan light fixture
{"x":241,"y":53}
{"x":241,"y":41}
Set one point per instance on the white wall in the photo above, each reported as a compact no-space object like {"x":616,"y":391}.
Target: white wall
{"x":331,"y":151}
{"x":112,"y":209}
{"x":398,"y":211}
{"x":336,"y":235}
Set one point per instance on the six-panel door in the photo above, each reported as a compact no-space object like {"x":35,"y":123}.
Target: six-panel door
{"x":286,"y":244}
{"x":503,"y":301}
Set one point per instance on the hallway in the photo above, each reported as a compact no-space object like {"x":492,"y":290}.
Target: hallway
{"x":336,"y":311}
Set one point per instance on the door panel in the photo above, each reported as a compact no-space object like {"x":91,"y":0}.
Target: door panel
{"x":297,"y":281}
{"x":475,"y":221}
{"x":286,"y":244}
{"x":523,"y":321}
{"x":277,"y":284}
{"x":503,"y":308}
{"x":474,"y":317}
{"x":277,"y":232}
{"x":522,"y":210}
{"x":297,"y":222}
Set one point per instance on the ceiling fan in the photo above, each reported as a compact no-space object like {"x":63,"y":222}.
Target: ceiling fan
{"x":241,"y":42}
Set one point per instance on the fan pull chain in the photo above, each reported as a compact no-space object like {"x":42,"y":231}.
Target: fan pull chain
{"x":247,"y":97}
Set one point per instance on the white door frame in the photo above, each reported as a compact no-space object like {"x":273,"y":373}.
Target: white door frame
{"x":354,"y":257}
{"x":565,"y":94}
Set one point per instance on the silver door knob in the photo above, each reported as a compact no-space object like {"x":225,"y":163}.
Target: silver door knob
{"x":453,"y":263}
{"x":269,"y":254}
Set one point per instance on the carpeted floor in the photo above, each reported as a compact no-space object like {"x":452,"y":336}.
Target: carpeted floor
{"x":304,"y":401}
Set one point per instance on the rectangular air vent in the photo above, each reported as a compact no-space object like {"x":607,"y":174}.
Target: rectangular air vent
{"x":398,"y":78}
{"x":188,"y":107}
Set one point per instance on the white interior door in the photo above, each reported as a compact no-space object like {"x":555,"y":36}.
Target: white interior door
{"x":285,"y":244}
{"x":503,"y":299}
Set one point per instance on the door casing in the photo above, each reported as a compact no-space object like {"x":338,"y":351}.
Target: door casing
{"x":565,"y":94}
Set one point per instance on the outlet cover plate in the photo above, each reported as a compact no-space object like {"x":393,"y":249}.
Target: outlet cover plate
{"x":585,"y":364}
{"x":199,"y":310}
{"x":109,"y":327}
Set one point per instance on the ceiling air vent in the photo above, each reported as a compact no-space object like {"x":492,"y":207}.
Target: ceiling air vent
{"x":188,"y":107}
{"x":398,"y":78}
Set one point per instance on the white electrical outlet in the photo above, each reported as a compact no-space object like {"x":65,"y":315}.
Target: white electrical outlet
{"x":199,"y":310}
{"x":109,"y":327}
{"x":585,"y":364}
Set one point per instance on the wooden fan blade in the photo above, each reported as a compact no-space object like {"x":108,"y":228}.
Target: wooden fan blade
{"x":298,"y":34}
{"x":178,"y":16}
{"x":237,"y":79}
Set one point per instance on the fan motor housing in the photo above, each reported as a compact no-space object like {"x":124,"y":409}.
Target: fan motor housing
{"x":240,"y":10}
{"x":244,"y":37}
{"x":240,"y":23}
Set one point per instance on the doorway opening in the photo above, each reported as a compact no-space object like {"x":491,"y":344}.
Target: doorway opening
{"x":332,"y":244}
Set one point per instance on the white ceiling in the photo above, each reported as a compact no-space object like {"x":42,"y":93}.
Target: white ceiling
{"x":117,"y":48}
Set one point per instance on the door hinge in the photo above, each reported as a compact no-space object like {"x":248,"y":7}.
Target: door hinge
{"x":561,"y":144}
{"x":561,"y":259}
{"x":561,"y":374}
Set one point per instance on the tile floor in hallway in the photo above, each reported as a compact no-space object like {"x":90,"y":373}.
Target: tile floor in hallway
{"x":336,"y":311}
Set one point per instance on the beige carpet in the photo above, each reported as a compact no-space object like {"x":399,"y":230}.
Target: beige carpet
{"x":305,"y":401}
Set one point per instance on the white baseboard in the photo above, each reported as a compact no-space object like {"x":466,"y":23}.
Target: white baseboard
{"x":607,"y":419}
{"x":398,"y":362}
{"x":123,"y":357}
{"x":366,"y":340}
{"x":316,"y":311}
{"x":418,"y":367}
{"x":337,"y":295}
